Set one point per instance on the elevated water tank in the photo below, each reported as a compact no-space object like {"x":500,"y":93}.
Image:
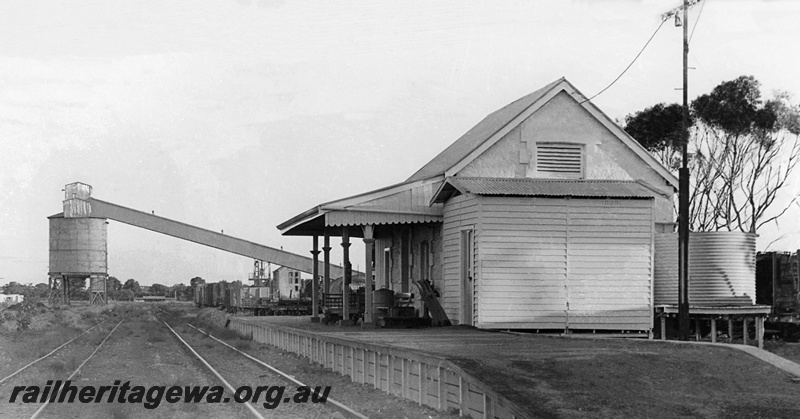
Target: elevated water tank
{"x":78,"y":245}
{"x":722,"y":269}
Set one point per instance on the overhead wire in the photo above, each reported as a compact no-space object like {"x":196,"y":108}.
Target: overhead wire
{"x":699,"y":13}
{"x":631,"y":64}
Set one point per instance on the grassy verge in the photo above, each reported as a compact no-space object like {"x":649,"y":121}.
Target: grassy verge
{"x":790,"y":351}
{"x":45,"y":329}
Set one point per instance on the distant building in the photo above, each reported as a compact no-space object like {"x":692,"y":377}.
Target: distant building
{"x":286,"y":283}
{"x":11,"y":298}
{"x":152,"y":299}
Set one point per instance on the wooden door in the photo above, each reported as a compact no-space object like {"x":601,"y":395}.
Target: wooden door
{"x":467,"y":276}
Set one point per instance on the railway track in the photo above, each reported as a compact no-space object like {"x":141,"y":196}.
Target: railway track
{"x":138,"y":350}
{"x":45,"y":374}
{"x":335,"y":405}
{"x":77,"y":370}
{"x":281,"y":394}
{"x":49,"y":354}
{"x":142,"y":349}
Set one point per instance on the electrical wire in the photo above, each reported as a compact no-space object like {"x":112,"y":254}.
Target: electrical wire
{"x":629,"y":65}
{"x":697,"y":20}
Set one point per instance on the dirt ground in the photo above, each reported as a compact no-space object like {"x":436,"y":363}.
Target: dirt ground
{"x":549,"y":377}
{"x":568,"y":377}
{"x":144,"y":352}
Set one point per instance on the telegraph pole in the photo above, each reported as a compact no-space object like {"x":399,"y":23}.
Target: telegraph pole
{"x":683,"y":192}
{"x":683,"y":181}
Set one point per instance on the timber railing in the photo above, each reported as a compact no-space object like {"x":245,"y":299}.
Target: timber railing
{"x":426,"y":379}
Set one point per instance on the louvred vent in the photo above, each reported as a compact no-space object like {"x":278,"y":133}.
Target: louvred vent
{"x":559,"y":158}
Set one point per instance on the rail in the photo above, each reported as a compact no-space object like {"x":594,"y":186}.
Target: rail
{"x":50,"y":353}
{"x":77,"y":370}
{"x":221,"y":378}
{"x":337,"y":405}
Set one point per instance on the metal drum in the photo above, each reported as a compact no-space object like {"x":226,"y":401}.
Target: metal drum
{"x":382,"y":301}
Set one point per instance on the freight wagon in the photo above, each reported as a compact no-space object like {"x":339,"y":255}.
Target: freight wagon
{"x":235,"y":297}
{"x":778,"y":285}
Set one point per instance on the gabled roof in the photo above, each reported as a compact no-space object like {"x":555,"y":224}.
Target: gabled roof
{"x":492,"y":128}
{"x":407,"y":202}
{"x":544,"y":187}
{"x":480,"y":133}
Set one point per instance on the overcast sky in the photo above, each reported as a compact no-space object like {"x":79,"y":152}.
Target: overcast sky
{"x":237,"y":115}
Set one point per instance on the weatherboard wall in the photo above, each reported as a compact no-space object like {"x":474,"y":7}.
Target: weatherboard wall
{"x":610,"y":262}
{"x":523,"y":259}
{"x":553,"y":263}
{"x":460,"y":213}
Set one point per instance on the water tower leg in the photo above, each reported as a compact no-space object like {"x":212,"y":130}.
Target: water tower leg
{"x":97,"y":287}
{"x":56,"y":293}
{"x":65,"y":288}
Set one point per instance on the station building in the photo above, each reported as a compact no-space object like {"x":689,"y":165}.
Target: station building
{"x":542,"y":216}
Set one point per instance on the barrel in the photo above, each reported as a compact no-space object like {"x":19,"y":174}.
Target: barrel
{"x":382,"y":301}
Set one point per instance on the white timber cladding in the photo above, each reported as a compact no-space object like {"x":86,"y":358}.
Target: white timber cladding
{"x":460,"y":213}
{"x":609,"y":278}
{"x":554,"y":263}
{"x":562,"y":159}
{"x":523,"y":257}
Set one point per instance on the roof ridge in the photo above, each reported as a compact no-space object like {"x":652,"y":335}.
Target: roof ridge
{"x":526,"y":179}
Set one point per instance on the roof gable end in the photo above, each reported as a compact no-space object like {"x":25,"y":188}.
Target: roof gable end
{"x":497,"y":125}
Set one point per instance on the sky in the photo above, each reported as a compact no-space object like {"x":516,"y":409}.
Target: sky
{"x":236,"y":115}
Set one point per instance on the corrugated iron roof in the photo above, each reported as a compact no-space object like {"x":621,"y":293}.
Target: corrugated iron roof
{"x":407,"y":202}
{"x":544,"y":187}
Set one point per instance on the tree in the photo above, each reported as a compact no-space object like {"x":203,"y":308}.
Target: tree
{"x":40,"y":290}
{"x":742,"y":151}
{"x":124,"y":295}
{"x":132,"y":285}
{"x":658,"y":129}
{"x":178,"y":290}
{"x":158,"y":289}
{"x":14,"y":287}
{"x":113,"y":284}
{"x":77,"y":289}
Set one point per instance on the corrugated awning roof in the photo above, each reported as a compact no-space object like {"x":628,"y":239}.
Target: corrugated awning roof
{"x":544,"y":187}
{"x":407,"y":202}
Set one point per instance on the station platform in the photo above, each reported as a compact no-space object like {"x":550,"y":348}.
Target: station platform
{"x":485,"y":374}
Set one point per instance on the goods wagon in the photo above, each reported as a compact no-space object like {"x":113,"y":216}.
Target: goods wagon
{"x":236,"y":297}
